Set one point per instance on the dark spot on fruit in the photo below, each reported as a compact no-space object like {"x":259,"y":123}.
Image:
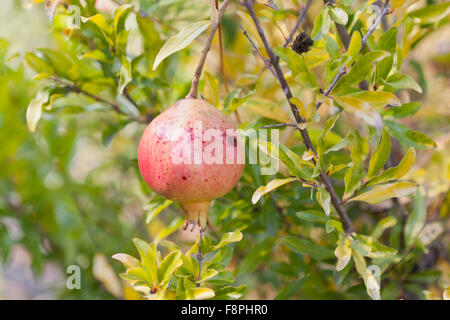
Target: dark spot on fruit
{"x":184,"y":177}
{"x":232,"y":140}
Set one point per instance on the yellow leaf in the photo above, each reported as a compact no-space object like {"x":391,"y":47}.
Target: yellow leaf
{"x":382,"y":192}
{"x":354,"y":47}
{"x":275,"y":183}
{"x":343,"y":252}
{"x":361,"y":109}
{"x":267,"y":109}
{"x":34,"y":110}
{"x":379,"y":99}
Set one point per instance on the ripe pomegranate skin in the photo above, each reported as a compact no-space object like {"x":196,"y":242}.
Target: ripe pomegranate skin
{"x":193,"y":185}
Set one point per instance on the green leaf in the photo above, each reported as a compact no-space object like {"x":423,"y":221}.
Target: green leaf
{"x":207,"y":274}
{"x":405,"y":110}
{"x":361,"y":110}
{"x":397,"y":172}
{"x":290,"y":290}
{"x":174,"y":225}
{"x":308,"y":247}
{"x":222,"y":258}
{"x":354,"y":47}
{"x":136,"y":274}
{"x":333,"y":225}
{"x":128,"y":261}
{"x":322,"y":141}
{"x":168,"y":267}
{"x":382,"y":192}
{"x":339,"y":15}
{"x":222,"y":278}
{"x":156,"y":206}
{"x":372,"y":285}
{"x":227,"y":293}
{"x":332,"y":47}
{"x":199,"y":293}
{"x":402,"y":81}
{"x":272,"y":185}
{"x":60,"y":62}
{"x":96,"y":55}
{"x":388,"y":40}
{"x":255,"y":256}
{"x":361,"y":69}
{"x":228,"y":238}
{"x":378,"y":99}
{"x":312,"y":216}
{"x":34,"y":110}
{"x":298,"y":66}
{"x":382,"y":225}
{"x":416,"y":220}
{"x":180,"y":40}
{"x":267,"y":109}
{"x":408,"y":137}
{"x":380,"y":155}
{"x":343,"y":252}
{"x":340,"y":145}
{"x":232,"y":103}
{"x":321,"y":25}
{"x":125,"y":74}
{"x":120,"y":16}
{"x":371,"y":247}
{"x":324,"y":199}
{"x":100,"y":21}
{"x":37,"y":64}
{"x":431,"y":13}
{"x":354,"y":175}
{"x":147,"y":252}
{"x":296,"y":165}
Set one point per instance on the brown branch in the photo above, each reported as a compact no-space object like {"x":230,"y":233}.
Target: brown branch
{"x":337,"y":204}
{"x":343,"y":70}
{"x":215,"y":21}
{"x":300,"y":19}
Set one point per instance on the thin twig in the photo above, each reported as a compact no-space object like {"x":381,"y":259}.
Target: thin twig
{"x":343,"y":69}
{"x":279,"y":125}
{"x":300,"y":19}
{"x":266,"y":61}
{"x":193,"y":93}
{"x":337,"y":204}
{"x":115,"y":106}
{"x":199,"y":254}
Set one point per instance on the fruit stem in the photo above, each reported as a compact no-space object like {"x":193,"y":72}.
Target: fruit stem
{"x":196,"y":214}
{"x":199,"y":254}
{"x":216,"y":15}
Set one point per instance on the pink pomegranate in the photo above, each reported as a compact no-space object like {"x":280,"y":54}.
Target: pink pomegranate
{"x":175,"y":152}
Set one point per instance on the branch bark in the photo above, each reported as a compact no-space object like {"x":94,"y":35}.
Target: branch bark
{"x":343,"y":70}
{"x":215,"y":21}
{"x":300,"y":19}
{"x":274,"y":60}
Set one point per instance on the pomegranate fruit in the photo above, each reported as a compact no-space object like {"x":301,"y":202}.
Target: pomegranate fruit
{"x":192,"y":180}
